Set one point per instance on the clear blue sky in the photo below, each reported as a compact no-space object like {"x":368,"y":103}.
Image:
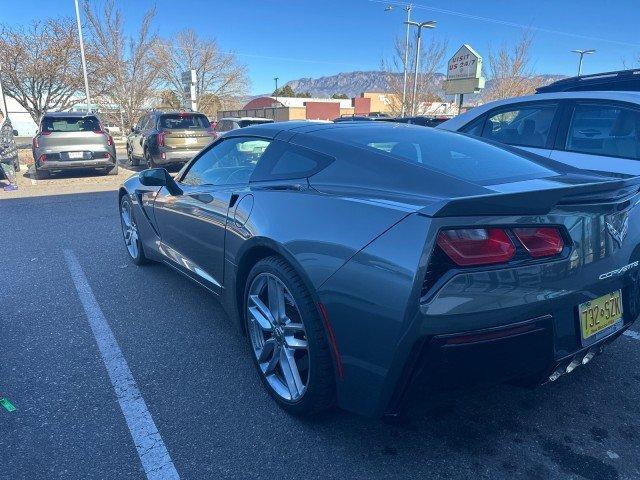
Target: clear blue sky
{"x":306,"y":38}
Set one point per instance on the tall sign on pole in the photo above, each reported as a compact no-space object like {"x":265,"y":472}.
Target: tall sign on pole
{"x":189,"y":80}
{"x":464,"y":73}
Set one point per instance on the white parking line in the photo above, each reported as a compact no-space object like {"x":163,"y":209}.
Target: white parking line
{"x":153,"y":454}
{"x":632,"y":334}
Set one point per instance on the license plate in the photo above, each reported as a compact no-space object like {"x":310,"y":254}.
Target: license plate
{"x":601,"y":315}
{"x":190,"y":141}
{"x":76,"y":155}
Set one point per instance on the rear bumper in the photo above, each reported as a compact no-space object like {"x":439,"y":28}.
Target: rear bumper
{"x":522,"y":352}
{"x":57,"y":161}
{"x":167,"y":157}
{"x":57,"y":165}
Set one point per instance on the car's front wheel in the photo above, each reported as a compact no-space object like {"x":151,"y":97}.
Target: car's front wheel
{"x":130,"y":231}
{"x":149,"y":159}
{"x":287,"y":338}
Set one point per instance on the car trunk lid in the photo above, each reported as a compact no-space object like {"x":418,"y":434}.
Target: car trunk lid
{"x":187,"y":138}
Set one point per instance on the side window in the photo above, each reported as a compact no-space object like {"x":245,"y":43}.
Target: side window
{"x":223,"y":126}
{"x":286,"y":161}
{"x":231,"y":161}
{"x":526,"y":125}
{"x":604,"y":129}
{"x":475,"y":127}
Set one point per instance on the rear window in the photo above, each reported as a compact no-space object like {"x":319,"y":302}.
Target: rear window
{"x":176,"y":121}
{"x":70,"y":124}
{"x":449,"y":153}
{"x":246,"y":123}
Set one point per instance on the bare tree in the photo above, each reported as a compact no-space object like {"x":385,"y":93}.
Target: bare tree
{"x":41,"y":65}
{"x":220,"y":77}
{"x":509,"y":71}
{"x":128,"y":72}
{"x":431,"y":61}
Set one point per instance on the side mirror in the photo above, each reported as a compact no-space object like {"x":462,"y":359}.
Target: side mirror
{"x":159,"y":177}
{"x":15,"y":133}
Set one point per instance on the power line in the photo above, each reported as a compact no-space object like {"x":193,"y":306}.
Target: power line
{"x":504,"y":22}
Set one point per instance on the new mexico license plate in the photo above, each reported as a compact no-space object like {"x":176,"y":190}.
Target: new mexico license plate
{"x":600,"y":314}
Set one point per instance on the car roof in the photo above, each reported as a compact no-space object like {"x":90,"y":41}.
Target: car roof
{"x":461,"y":120}
{"x":70,"y":114}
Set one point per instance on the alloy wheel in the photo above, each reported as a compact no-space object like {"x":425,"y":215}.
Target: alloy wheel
{"x":278,"y":337}
{"x":129,"y":229}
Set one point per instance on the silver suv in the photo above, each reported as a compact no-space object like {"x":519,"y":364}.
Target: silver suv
{"x":72,"y":140}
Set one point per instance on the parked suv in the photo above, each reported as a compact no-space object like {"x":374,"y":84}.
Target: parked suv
{"x":168,"y":137}
{"x":593,"y":130}
{"x":231,"y":123}
{"x":72,"y":140}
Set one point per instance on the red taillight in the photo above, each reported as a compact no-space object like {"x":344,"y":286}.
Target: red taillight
{"x":476,"y":246}
{"x":109,"y":140}
{"x":161,"y":136}
{"x":540,"y":242}
{"x":45,"y":133}
{"x":42,"y":159}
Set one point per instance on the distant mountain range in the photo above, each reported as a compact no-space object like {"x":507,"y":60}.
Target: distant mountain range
{"x":353,"y":84}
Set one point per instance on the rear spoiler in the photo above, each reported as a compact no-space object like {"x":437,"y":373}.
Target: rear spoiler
{"x":534,"y":202}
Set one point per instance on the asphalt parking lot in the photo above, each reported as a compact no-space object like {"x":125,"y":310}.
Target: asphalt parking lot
{"x":192,"y":371}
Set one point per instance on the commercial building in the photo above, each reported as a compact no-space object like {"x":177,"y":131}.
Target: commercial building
{"x":295,"y":108}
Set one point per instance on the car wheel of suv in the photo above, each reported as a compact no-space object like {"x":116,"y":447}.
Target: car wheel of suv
{"x":42,"y":174}
{"x":130,"y":232}
{"x":287,"y":338}
{"x":132,"y":160}
{"x":149,"y":159}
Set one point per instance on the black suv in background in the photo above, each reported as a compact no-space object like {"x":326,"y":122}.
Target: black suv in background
{"x":168,"y":137}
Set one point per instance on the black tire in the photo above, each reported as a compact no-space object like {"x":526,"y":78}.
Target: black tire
{"x":148,"y":158}
{"x":320,"y":391}
{"x":133,"y":161}
{"x":16,"y":166}
{"x":140,"y":258}
{"x":42,"y":174}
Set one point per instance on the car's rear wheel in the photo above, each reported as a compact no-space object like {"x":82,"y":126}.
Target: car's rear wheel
{"x":133,"y":161}
{"x":287,"y":338}
{"x":130,"y":232}
{"x":42,"y":174}
{"x":149,"y":159}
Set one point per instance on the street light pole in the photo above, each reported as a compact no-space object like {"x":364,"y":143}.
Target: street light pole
{"x":420,"y":26}
{"x":581,"y":54}
{"x":84,"y":62}
{"x":406,"y":56}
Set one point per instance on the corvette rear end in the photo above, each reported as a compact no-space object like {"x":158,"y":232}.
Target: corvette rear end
{"x":524,"y":284}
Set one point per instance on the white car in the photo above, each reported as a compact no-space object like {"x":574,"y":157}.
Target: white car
{"x":593,"y":130}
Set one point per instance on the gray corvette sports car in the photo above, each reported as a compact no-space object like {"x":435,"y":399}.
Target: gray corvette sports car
{"x":363,"y":259}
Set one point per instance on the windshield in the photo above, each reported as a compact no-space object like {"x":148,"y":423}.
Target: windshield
{"x":70,"y":124}
{"x":177,"y":121}
{"x":453,"y":154}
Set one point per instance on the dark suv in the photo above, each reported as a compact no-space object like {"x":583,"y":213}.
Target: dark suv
{"x":168,"y":137}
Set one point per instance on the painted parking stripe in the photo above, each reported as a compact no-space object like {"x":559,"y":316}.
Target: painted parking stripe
{"x":153,"y":454}
{"x":632,"y":334}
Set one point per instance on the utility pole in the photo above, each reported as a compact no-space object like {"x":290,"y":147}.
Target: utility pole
{"x":582,"y":53}
{"x":84,"y":62}
{"x":420,"y":26}
{"x":276,"y":91}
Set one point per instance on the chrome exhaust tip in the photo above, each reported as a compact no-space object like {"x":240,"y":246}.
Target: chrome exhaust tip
{"x":556,"y":374}
{"x":572,"y":366}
